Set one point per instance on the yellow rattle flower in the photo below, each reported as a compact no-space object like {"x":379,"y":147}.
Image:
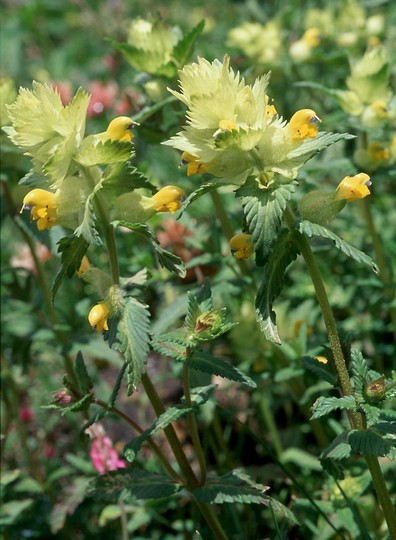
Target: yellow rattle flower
{"x":118,"y":129}
{"x":301,"y":125}
{"x":98,"y":317}
{"x":241,"y":246}
{"x":168,"y":199}
{"x":353,"y":187}
{"x":43,"y":206}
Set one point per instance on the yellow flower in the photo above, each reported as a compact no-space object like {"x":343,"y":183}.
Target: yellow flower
{"x":301,"y":125}
{"x":98,"y":317}
{"x":43,"y":206}
{"x":353,"y":187}
{"x":241,"y":246}
{"x":226,"y":125}
{"x":84,"y":266}
{"x":311,"y":37}
{"x":194,"y":166}
{"x":168,"y":199}
{"x":270,"y":109}
{"x":321,"y":359}
{"x":118,"y":129}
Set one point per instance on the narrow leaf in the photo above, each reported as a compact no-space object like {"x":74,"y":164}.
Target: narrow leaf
{"x":84,"y":380}
{"x":283,"y":254}
{"x":184,"y":48}
{"x":205,"y":362}
{"x":198,"y":193}
{"x":313,"y":229}
{"x":72,"y":249}
{"x":263,"y":210}
{"x":171,"y":415}
{"x":319,"y":369}
{"x":133,"y":482}
{"x":165,"y":258}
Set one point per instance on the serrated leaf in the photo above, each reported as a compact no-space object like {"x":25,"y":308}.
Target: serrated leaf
{"x":317,"y":368}
{"x":312,"y":229}
{"x":165,"y":258}
{"x":231,"y":488}
{"x":133,"y":339}
{"x":165,"y":419}
{"x":339,"y":448}
{"x":122,"y":178}
{"x":72,"y":249}
{"x":325,"y":405}
{"x":284,"y":252}
{"x":368,"y":443}
{"x":87,"y":229}
{"x":263,"y":210}
{"x":184,"y":48}
{"x":199,"y":192}
{"x":96,"y":152}
{"x":360,"y":371}
{"x":205,"y":362}
{"x":385,"y":428}
{"x":85,"y":384}
{"x":173,"y":344}
{"x":133,"y":482}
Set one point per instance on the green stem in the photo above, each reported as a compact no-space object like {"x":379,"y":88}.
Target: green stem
{"x":212,"y":520}
{"x":156,"y":449}
{"x":108,"y":229}
{"x":380,"y":258}
{"x":271,"y":425}
{"x":222,"y":215}
{"x":328,"y":317}
{"x":193,"y":425}
{"x":382,"y":494}
{"x":170,"y":433}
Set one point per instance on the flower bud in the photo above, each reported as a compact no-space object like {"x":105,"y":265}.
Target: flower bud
{"x":375,"y":391}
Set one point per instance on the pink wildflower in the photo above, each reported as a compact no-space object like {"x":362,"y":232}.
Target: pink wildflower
{"x":104,"y":457}
{"x":65,"y":91}
{"x":26,"y":414}
{"x":23,"y":257}
{"x":103,"y":97}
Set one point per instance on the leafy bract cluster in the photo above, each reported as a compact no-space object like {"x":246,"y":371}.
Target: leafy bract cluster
{"x":372,"y":393}
{"x":65,"y":162}
{"x":234,"y":130}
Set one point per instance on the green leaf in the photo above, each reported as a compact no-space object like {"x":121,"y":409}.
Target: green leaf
{"x":170,"y":415}
{"x":72,"y":496}
{"x":203,"y":361}
{"x":173,"y":344}
{"x":325,"y":405}
{"x":85,"y":384}
{"x":282,"y":255}
{"x":308,"y":149}
{"x":263,"y":210}
{"x":301,"y":459}
{"x":12,"y":511}
{"x":199,"y":192}
{"x":319,"y":369}
{"x":339,"y":448}
{"x":87,"y":229}
{"x":385,"y":428}
{"x":313,"y":229}
{"x":360,"y":371}
{"x":184,"y":48}
{"x":133,"y":482}
{"x":165,"y":258}
{"x":72,"y":249}
{"x":233,"y":487}
{"x":133,"y":339}
{"x":96,"y":152}
{"x":368,"y":443}
{"x":122,"y":178}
